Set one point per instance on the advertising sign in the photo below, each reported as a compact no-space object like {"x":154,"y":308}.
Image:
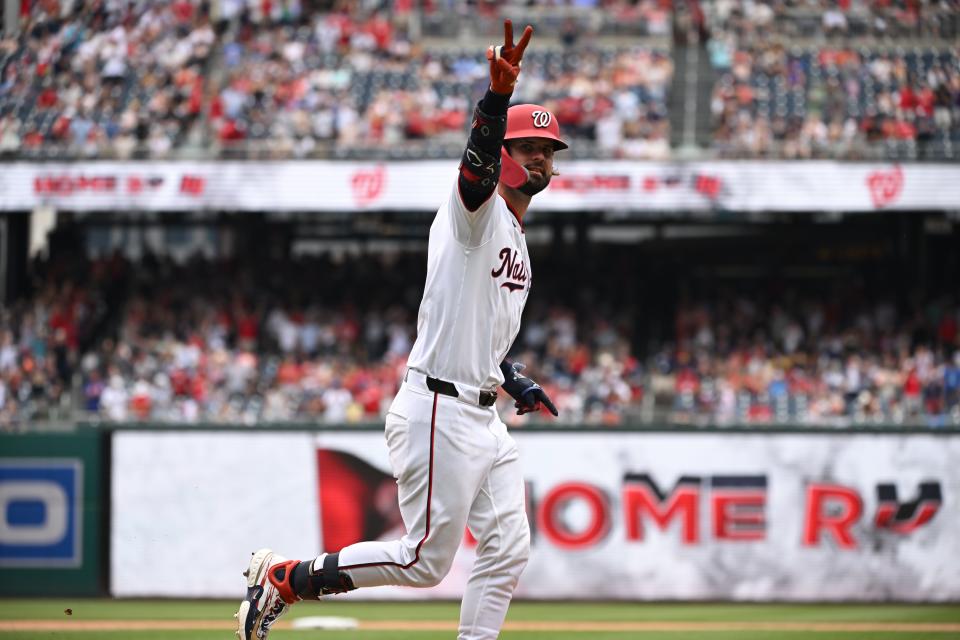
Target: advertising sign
{"x":40,"y":512}
{"x":613,"y":515}
{"x":50,"y":514}
{"x":615,"y":186}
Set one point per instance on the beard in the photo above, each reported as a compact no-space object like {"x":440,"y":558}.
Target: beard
{"x":536,"y":184}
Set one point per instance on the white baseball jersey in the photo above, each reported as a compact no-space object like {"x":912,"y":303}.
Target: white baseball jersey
{"x":478,"y":280}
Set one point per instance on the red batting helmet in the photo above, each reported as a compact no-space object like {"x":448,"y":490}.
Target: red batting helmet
{"x":533,"y":121}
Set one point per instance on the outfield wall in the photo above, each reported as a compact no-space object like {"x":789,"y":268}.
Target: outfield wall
{"x":615,"y":514}
{"x":737,"y":514}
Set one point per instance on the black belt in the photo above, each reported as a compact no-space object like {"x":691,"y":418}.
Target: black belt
{"x":487,"y":398}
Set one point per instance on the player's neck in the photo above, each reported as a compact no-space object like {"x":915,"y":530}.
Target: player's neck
{"x":516,"y":200}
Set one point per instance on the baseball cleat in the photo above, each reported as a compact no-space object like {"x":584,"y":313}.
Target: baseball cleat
{"x":269,"y":594}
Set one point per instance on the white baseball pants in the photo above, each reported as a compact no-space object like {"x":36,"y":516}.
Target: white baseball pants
{"x":456,"y":466}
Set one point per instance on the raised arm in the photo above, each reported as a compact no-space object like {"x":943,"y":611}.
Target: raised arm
{"x":480,"y":165}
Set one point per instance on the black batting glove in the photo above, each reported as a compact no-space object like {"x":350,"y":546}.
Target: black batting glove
{"x":528,"y":394}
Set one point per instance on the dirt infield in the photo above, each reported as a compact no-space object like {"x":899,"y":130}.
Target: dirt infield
{"x":443,"y":625}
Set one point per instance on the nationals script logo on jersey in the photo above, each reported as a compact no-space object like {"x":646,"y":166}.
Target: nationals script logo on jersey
{"x":513,"y":267}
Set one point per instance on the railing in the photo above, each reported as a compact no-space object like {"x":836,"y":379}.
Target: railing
{"x":833,"y":410}
{"x":658,"y":406}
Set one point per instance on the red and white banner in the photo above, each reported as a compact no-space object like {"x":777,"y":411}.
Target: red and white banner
{"x":614,"y":515}
{"x":615,"y":186}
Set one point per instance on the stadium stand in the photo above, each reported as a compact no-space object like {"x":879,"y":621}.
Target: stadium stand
{"x":188,"y":79}
{"x":114,"y":340}
{"x":162,"y":80}
{"x":159,"y":341}
{"x":838,"y":102}
{"x":835,"y":80}
{"x":86,"y":79}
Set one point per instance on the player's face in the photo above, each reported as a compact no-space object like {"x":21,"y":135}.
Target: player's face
{"x":536,"y":155}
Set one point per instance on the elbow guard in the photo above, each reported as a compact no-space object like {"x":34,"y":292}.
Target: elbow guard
{"x":480,"y":165}
{"x":479,"y":169}
{"x":479,"y":174}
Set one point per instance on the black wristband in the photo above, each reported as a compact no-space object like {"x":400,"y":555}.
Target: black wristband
{"x":494,"y":104}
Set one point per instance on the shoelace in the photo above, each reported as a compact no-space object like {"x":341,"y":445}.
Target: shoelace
{"x":271,"y":616}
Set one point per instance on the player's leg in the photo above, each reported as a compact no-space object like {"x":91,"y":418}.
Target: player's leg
{"x":498,"y":521}
{"x":440,"y":452}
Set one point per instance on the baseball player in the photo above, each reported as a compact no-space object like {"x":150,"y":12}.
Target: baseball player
{"x":455,"y":464}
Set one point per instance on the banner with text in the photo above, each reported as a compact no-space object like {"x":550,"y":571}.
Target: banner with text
{"x":614,"y":186}
{"x":613,"y":515}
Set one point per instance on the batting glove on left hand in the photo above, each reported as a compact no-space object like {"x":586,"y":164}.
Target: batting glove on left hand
{"x":528,"y":394}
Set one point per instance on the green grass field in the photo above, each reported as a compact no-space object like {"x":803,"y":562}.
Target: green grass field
{"x":208,"y":620}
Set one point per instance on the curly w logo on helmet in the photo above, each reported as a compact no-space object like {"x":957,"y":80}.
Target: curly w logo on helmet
{"x":541,"y":119}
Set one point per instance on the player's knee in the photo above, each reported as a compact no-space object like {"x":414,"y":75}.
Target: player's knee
{"x":432,"y":564}
{"x":434,"y":558}
{"x":429,"y":580}
{"x":426,"y":574}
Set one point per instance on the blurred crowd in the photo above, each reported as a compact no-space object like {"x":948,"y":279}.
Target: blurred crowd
{"x":835,"y":79}
{"x":281,"y":79}
{"x":85,"y":77}
{"x":158,"y":341}
{"x":316,"y":340}
{"x":819,"y":358}
{"x":751,"y":21}
{"x":836,"y":102}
